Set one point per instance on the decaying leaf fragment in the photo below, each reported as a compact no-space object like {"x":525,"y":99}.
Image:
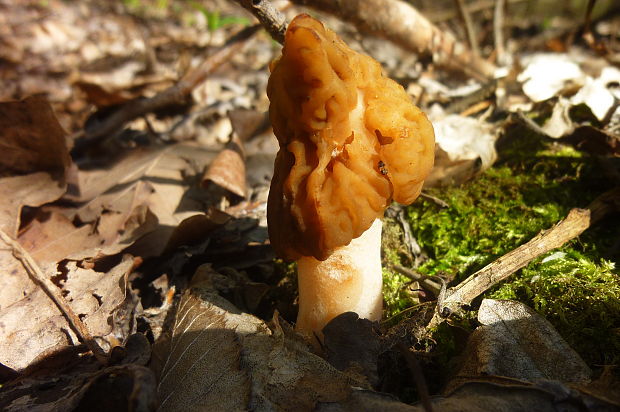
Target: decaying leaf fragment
{"x":483,"y":395}
{"x":31,"y":325}
{"x":227,"y":170}
{"x":217,"y":358}
{"x":140,"y":198}
{"x":215,"y":349}
{"x":465,"y":147}
{"x":34,"y":189}
{"x":51,"y":237}
{"x":34,"y":158}
{"x":115,"y":388}
{"x":517,"y":342}
{"x":31,"y":137}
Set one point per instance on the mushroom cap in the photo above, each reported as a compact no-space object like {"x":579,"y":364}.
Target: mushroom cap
{"x":351,"y":141}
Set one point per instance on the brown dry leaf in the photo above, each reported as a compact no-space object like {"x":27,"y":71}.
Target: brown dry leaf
{"x":487,"y":394}
{"x":517,"y":342}
{"x":124,"y":171}
{"x":195,"y":228}
{"x":119,"y":218}
{"x":31,"y":326}
{"x":166,"y":169}
{"x":52,"y":237}
{"x":120,"y":84}
{"x":352,"y":345}
{"x":143,"y":196}
{"x":31,"y":139}
{"x":215,"y":349}
{"x":29,"y":190}
{"x":97,"y":295}
{"x":111,"y":222}
{"x":596,"y":141}
{"x":14,"y":280}
{"x":248,"y":123}
{"x":116,"y":388}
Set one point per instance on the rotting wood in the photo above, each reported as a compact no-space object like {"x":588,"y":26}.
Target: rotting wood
{"x":37,"y":275}
{"x":577,"y":221}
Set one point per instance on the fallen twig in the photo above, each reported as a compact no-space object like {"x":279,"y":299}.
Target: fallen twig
{"x":469,"y":27}
{"x":426,"y":282}
{"x":410,"y":242}
{"x":37,"y":275}
{"x":172,"y":95}
{"x":434,"y":199}
{"x":268,"y":15}
{"x":569,"y":228}
{"x":498,"y":31}
{"x":406,"y":26}
{"x":441,"y":15}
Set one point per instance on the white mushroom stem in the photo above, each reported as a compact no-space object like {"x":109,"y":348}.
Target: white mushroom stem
{"x":350,"y":280}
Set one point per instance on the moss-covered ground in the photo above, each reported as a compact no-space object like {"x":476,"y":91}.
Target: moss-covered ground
{"x":531,"y":187}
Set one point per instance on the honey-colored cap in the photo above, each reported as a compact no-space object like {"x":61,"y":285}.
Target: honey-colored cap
{"x":350,"y":141}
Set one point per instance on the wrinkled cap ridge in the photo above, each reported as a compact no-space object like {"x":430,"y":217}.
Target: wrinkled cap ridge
{"x":351,"y":141}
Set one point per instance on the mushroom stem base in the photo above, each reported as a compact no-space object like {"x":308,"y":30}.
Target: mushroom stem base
{"x":349,"y":280}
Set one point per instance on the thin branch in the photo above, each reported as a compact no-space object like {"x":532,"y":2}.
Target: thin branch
{"x":587,"y":26}
{"x":404,"y":25}
{"x":442,"y":15}
{"x":434,"y":199}
{"x":469,"y":27}
{"x":598,"y":46}
{"x":498,"y":31}
{"x":412,"y":244}
{"x":426,"y":282}
{"x":37,"y":275}
{"x":172,"y":95}
{"x":569,"y":228}
{"x":268,"y":15}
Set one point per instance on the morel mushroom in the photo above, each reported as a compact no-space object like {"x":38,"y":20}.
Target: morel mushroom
{"x":351,"y":141}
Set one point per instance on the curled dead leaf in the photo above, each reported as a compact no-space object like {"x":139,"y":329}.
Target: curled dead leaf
{"x":228,"y":169}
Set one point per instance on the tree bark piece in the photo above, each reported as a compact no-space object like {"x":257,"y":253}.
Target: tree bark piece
{"x":407,"y":27}
{"x":577,"y":221}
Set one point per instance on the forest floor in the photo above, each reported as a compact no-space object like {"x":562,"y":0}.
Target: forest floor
{"x":135,"y":265}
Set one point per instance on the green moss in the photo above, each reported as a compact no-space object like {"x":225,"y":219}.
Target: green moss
{"x":395,"y":296}
{"x":394,"y":253}
{"x":393,"y":246}
{"x":580,"y":297}
{"x":531,"y":188}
